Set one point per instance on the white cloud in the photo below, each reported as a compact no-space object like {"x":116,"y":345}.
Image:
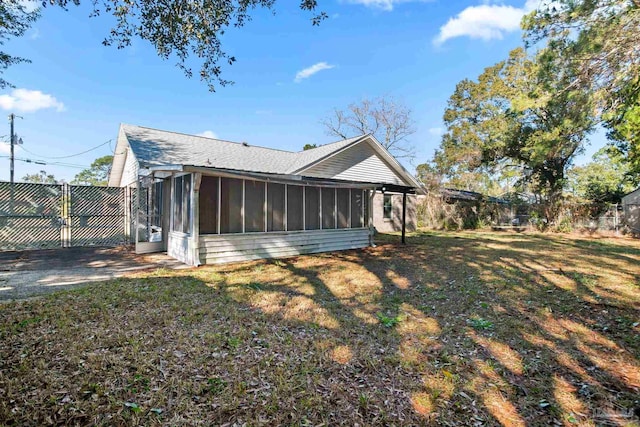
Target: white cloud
{"x":486,"y":22}
{"x":35,"y":34}
{"x":5,"y":148}
{"x":208,"y":134}
{"x":437,"y":131}
{"x":29,"y":101}
{"x":310,"y":71}
{"x":29,"y":5}
{"x":386,"y":5}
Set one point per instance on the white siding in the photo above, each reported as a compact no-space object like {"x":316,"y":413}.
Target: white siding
{"x":217,"y":249}
{"x":358,"y":163}
{"x":130,"y":171}
{"x":180,"y":247}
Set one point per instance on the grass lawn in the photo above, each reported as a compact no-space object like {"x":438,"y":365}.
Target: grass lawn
{"x":468,"y":328}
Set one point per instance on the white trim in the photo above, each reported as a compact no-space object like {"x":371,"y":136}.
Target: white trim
{"x":242,"y":206}
{"x":391,"y":161}
{"x":219,"y":203}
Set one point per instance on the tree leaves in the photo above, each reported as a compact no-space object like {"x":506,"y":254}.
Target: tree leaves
{"x":15,"y":20}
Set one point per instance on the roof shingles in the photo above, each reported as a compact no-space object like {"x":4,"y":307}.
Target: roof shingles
{"x":154,"y":147}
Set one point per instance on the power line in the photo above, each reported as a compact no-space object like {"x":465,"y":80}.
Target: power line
{"x":66,"y":157}
{"x":44,"y":163}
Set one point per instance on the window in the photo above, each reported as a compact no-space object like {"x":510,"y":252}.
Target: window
{"x":209,"y":205}
{"x":328,"y":208}
{"x":342,"y":203}
{"x":311,"y":208}
{"x":357,"y":209}
{"x":254,"y":206}
{"x":182,"y":203}
{"x":230,"y":205}
{"x":295,"y":197}
{"x":275,"y":207}
{"x":387,"y":206}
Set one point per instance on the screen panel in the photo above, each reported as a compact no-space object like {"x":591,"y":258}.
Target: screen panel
{"x":294,"y":207}
{"x":230,"y":205}
{"x":254,"y":206}
{"x":328,"y":208}
{"x":343,"y":202}
{"x":275,"y":207}
{"x":312,"y":208}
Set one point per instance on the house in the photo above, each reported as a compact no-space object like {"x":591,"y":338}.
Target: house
{"x":631,"y":206}
{"x":206,"y":200}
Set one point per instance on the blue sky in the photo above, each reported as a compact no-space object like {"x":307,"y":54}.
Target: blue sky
{"x":76,"y":92}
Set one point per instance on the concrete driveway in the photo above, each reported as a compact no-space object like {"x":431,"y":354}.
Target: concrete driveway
{"x":30,"y":273}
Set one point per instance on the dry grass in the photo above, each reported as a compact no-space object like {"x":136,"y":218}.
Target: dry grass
{"x":454,"y":329}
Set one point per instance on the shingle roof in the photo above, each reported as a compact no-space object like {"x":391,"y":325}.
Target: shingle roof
{"x":153,"y":147}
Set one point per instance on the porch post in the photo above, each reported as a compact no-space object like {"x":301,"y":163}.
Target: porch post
{"x":404,"y":217}
{"x":195,"y":218}
{"x":370,"y":212}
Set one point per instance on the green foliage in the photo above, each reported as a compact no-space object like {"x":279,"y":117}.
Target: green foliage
{"x":177,"y":29}
{"x":520,"y":112}
{"x":97,"y":174}
{"x":309,"y":147}
{"x":429,"y":175}
{"x":564,"y":225}
{"x":387,"y":321}
{"x":15,"y":20}
{"x":480,"y":324}
{"x":134,"y":407}
{"x":41,"y":177}
{"x":600,"y":39}
{"x":604,"y":180}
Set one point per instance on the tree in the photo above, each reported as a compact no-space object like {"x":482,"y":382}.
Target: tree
{"x":386,"y":118}
{"x":309,"y":147}
{"x":600,"y":39}
{"x":520,"y":113}
{"x":41,"y":177}
{"x":177,"y":29}
{"x":97,"y":174}
{"x":429,"y":175}
{"x":604,"y":180}
{"x":15,"y":20}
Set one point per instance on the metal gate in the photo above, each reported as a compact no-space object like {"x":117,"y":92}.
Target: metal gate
{"x":46,"y":216}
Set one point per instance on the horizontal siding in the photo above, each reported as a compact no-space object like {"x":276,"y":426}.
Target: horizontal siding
{"x":216,"y":249}
{"x":130,"y":171}
{"x":358,"y":163}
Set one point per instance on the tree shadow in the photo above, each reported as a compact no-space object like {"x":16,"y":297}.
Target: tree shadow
{"x":451,"y":329}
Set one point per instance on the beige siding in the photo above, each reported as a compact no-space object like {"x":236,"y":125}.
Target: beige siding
{"x":395,"y":223}
{"x":358,"y":163}
{"x":216,"y":249}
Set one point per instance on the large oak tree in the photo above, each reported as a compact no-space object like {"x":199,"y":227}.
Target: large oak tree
{"x":521,"y":112}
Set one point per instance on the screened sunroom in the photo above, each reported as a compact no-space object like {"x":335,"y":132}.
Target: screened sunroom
{"x":223,"y":217}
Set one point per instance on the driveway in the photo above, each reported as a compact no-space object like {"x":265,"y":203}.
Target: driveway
{"x":30,"y":273}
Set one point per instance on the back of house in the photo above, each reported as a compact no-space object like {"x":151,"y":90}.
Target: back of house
{"x":207,"y":200}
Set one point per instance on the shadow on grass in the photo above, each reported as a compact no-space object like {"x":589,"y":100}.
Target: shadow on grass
{"x":459,"y":329}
